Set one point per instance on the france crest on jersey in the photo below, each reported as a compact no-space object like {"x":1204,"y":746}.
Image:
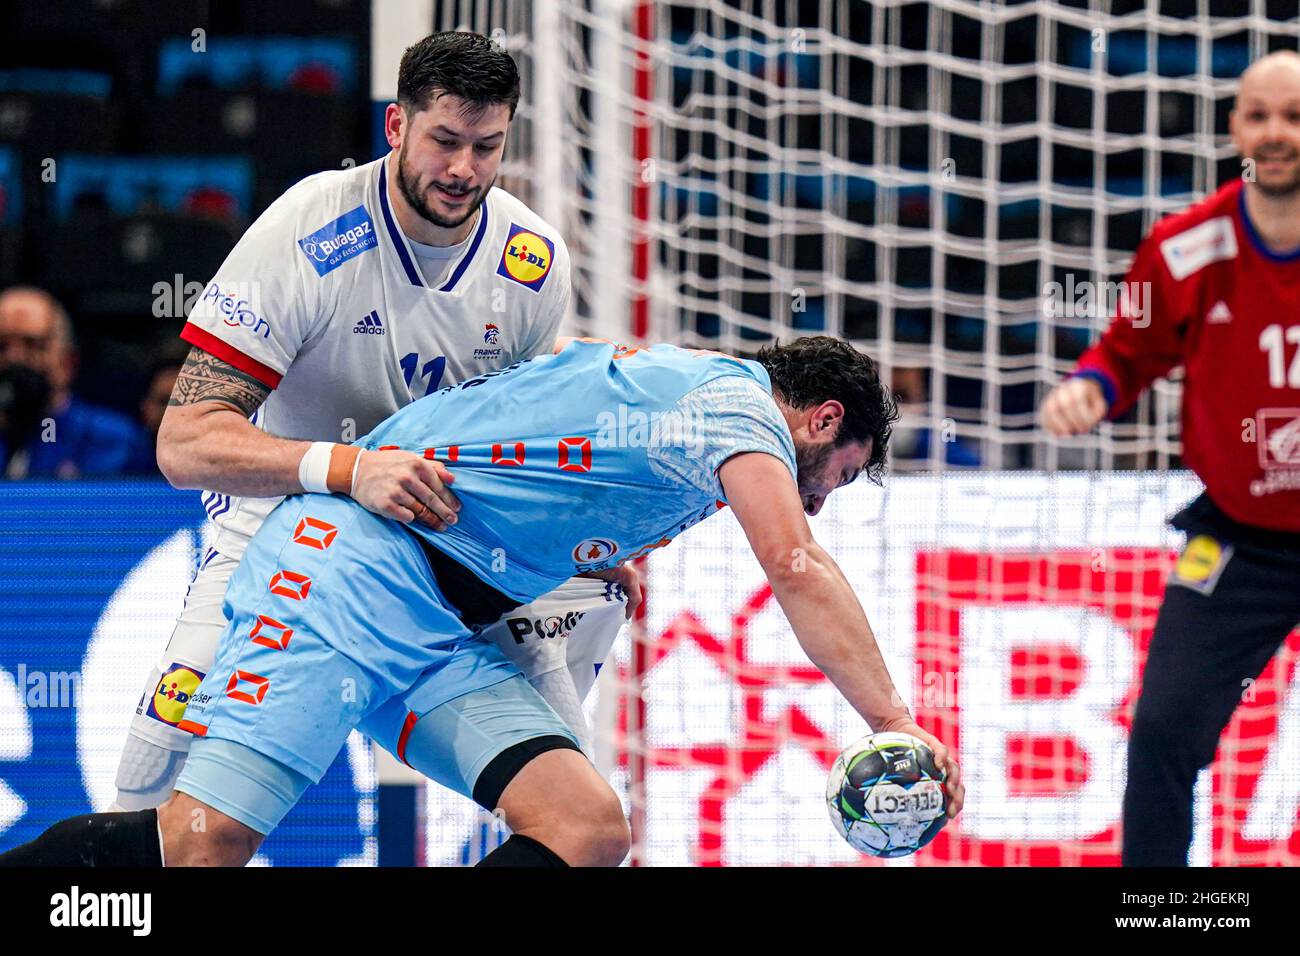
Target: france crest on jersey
{"x":579,"y":461}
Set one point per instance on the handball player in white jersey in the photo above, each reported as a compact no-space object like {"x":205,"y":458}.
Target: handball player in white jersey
{"x":355,"y":293}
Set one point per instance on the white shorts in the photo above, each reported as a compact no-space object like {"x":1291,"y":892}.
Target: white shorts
{"x":574,"y":626}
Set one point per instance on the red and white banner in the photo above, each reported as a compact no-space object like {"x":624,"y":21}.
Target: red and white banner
{"x":1014,"y":612}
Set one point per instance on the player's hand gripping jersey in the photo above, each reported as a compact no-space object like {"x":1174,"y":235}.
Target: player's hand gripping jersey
{"x":1206,"y":293}
{"x":588,"y":458}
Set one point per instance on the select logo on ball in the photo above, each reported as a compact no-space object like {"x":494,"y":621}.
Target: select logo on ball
{"x":173,"y":693}
{"x":885,"y":795}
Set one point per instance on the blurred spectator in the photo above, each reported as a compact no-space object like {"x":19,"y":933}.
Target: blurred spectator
{"x":913,"y":444}
{"x":161,"y":380}
{"x":72,"y":438}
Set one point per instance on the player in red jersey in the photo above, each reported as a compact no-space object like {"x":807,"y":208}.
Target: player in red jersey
{"x":1218,"y":293}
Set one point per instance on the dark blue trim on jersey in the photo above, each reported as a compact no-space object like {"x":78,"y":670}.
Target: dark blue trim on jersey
{"x":216,"y":506}
{"x":1108,"y":389}
{"x":473,"y":248}
{"x":394,"y":234}
{"x":1255,"y":239}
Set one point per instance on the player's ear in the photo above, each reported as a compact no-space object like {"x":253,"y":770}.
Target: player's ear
{"x":827,"y":415}
{"x":395,"y":124}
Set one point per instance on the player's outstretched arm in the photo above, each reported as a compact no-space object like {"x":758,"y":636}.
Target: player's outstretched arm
{"x":825,"y":614}
{"x":206,"y":441}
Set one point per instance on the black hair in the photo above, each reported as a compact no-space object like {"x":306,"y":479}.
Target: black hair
{"x":469,"y":66}
{"x":818,"y":368}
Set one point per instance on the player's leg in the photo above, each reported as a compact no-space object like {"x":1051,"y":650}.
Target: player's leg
{"x":155,"y":747}
{"x":559,"y":641}
{"x":257,"y":749}
{"x":559,"y":801}
{"x":1226,"y":611}
{"x":506,"y":748}
{"x":557,"y":689}
{"x":95,"y":839}
{"x":194,"y":833}
{"x":230,"y":796}
{"x":332,"y":611}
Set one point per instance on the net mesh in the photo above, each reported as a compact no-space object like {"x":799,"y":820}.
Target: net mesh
{"x":956,"y":187}
{"x":914,"y":177}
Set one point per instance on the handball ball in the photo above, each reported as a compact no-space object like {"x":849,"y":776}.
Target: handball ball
{"x":886,"y":796}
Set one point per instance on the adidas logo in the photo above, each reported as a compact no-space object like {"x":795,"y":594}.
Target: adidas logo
{"x":1220,"y":313}
{"x":370,"y":325}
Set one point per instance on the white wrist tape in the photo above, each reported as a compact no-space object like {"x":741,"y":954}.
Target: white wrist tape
{"x":313,"y":469}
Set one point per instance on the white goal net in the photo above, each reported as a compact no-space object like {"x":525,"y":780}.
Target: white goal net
{"x":955,"y":187}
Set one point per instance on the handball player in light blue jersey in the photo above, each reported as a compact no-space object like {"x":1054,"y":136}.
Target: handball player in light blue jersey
{"x":566,"y":464}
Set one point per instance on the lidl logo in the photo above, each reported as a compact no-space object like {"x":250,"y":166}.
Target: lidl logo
{"x":1201,"y":564}
{"x":1199,"y":558}
{"x":526,"y":258}
{"x":173,"y":693}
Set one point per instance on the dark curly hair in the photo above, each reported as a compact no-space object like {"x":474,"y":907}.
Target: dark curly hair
{"x":818,"y":368}
{"x":465,"y":65}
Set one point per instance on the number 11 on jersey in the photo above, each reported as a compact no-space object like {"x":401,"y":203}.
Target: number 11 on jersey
{"x":432,"y":371}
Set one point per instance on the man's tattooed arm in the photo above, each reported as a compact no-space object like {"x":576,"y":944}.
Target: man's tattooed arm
{"x":206,"y":440}
{"x":206,"y":378}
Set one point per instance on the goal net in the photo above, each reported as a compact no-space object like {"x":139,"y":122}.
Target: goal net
{"x":957,"y":187}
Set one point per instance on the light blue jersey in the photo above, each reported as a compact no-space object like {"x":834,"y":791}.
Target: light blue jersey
{"x":579,"y":461}
{"x":563,"y":464}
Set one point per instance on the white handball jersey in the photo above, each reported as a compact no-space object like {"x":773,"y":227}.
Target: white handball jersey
{"x":323,"y":301}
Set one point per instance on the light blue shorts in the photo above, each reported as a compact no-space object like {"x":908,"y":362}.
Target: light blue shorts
{"x":451,"y":745}
{"x":334,"y":617}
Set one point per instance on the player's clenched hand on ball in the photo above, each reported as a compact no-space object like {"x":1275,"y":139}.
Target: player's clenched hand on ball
{"x":943,"y":759}
{"x":1073,"y":407}
{"x":405,"y":487}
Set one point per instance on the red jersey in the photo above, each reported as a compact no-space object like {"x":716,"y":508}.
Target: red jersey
{"x":1227,"y":309}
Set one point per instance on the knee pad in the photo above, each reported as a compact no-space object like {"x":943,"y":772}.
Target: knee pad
{"x":147,"y":773}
